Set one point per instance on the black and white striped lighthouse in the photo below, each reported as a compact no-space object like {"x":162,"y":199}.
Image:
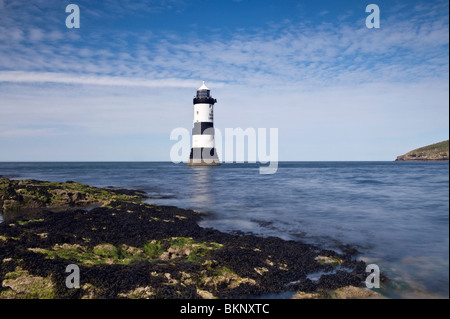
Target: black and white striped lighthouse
{"x":203,"y":151}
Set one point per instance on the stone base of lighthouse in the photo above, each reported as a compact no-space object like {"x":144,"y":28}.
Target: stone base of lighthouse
{"x":203,"y":156}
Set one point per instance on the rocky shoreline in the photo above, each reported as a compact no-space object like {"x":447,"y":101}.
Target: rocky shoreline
{"x":126,"y":248}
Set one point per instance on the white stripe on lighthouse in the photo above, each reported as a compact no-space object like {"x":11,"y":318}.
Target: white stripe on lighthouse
{"x":203,"y":141}
{"x":203,"y":112}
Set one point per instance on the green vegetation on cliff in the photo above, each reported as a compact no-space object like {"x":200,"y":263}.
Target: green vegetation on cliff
{"x":433,"y":152}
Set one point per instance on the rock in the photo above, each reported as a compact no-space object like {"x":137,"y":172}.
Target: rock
{"x":138,"y":293}
{"x":347,"y":292}
{"x":10,"y":205}
{"x":25,"y":195}
{"x":352,"y":292}
{"x":306,"y":295}
{"x":152,"y":252}
{"x":76,"y":196}
{"x":62,"y":196}
{"x":205,"y":294}
{"x":20,"y":284}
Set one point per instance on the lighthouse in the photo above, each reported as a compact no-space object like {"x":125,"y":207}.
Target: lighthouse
{"x":203,"y":151}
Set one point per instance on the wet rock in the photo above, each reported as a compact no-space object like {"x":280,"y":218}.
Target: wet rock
{"x":351,"y":292}
{"x":128,"y":249}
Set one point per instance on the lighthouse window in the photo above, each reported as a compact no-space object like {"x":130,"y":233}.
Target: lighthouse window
{"x":203,"y":93}
{"x":197,"y":112}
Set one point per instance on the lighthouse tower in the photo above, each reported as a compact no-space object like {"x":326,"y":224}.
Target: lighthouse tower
{"x":203,"y":151}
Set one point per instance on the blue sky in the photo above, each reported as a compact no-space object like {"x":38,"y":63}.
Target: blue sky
{"x":114,"y":89}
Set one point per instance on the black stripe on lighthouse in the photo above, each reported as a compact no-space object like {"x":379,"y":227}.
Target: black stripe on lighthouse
{"x":201,"y":127}
{"x":203,"y":154}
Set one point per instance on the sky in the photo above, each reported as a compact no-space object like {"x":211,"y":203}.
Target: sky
{"x":114,"y":88}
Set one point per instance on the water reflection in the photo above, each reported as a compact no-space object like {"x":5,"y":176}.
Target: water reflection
{"x":202,"y":190}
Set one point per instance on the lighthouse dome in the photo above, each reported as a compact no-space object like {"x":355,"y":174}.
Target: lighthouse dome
{"x":203,"y":87}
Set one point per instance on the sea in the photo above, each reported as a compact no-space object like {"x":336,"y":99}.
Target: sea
{"x":396,"y":214}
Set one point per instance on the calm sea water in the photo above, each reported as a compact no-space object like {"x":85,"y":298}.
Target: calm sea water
{"x":396,"y":214}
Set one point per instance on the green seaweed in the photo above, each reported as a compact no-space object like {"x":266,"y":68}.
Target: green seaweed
{"x":153,"y":248}
{"x":24,"y":222}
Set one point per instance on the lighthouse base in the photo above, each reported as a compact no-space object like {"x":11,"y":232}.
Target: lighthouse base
{"x":203,"y":157}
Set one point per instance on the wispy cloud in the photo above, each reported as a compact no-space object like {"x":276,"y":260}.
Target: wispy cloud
{"x":401,"y":50}
{"x":52,"y":77}
{"x":406,"y":48}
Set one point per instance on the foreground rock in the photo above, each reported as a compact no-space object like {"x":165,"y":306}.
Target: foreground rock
{"x":129,"y":249}
{"x":19,"y":197}
{"x":348,"y":292}
{"x":433,"y":152}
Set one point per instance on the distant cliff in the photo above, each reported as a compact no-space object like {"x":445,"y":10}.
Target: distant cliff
{"x":433,"y":152}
